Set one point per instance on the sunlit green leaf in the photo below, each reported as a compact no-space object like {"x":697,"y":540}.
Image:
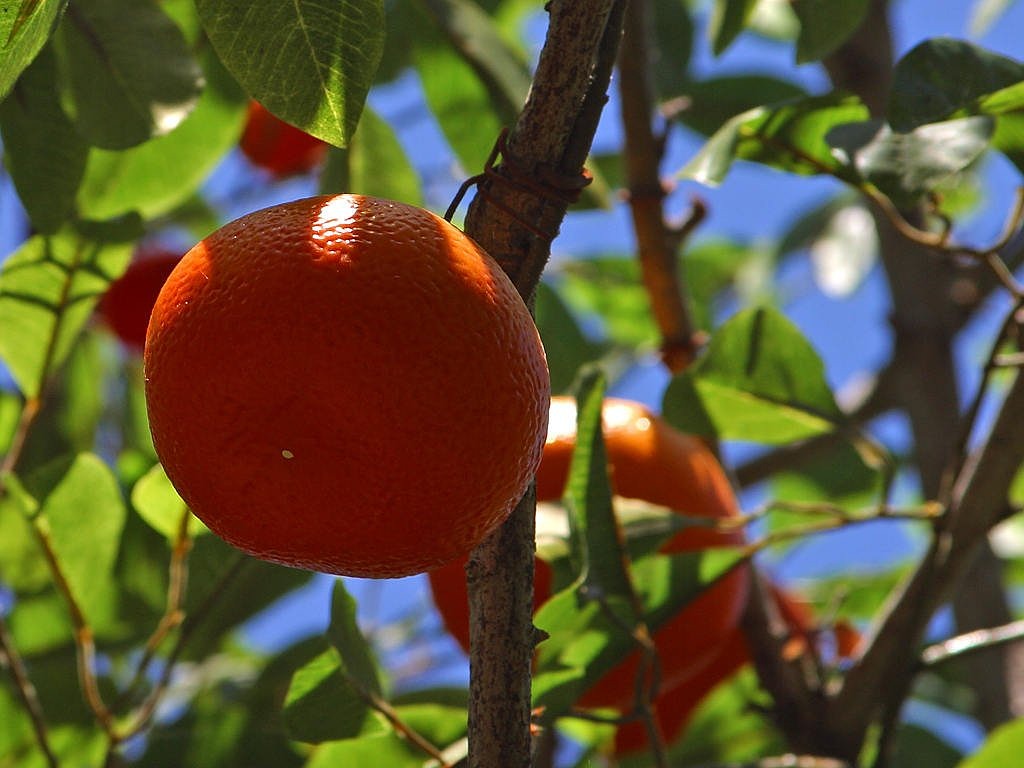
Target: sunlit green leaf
{"x":1002,"y":747}
{"x":825,"y":25}
{"x":906,"y":166}
{"x":324,"y":57}
{"x":82,"y":514}
{"x":25,"y":26}
{"x":22,"y":567}
{"x":323,"y":705}
{"x":789,"y":136}
{"x":48,"y":289}
{"x":43,"y":152}
{"x":162,"y":173}
{"x":130,"y":71}
{"x":760,"y":380}
{"x":610,"y":287}
{"x":156,"y":501}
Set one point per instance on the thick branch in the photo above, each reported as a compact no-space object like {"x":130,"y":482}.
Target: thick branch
{"x":529,"y":192}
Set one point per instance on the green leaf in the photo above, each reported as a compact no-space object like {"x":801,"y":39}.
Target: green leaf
{"x":130,"y":71}
{"x":917,"y":746}
{"x":25,"y":26}
{"x":43,"y":151}
{"x":381,"y":749}
{"x":598,"y":548}
{"x":83,"y":515}
{"x":710,"y":267}
{"x":610,"y":287}
{"x":323,"y":705}
{"x":346,"y":637}
{"x":374,"y":163}
{"x":673,"y":36}
{"x":944,"y":78}
{"x":165,"y":172}
{"x":22,"y":567}
{"x":906,"y":166}
{"x":236,"y":586}
{"x":714,"y":101}
{"x":566,"y":347}
{"x":324,"y":56}
{"x":10,"y":414}
{"x":458,"y":100}
{"x":789,"y":136}
{"x":825,"y":25}
{"x":760,"y":380}
{"x":728,"y":18}
{"x":156,"y":501}
{"x":585,"y":643}
{"x":48,"y":289}
{"x":475,"y":38}
{"x":1002,"y":747}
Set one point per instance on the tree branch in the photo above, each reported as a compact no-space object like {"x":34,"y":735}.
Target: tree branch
{"x":529,"y":191}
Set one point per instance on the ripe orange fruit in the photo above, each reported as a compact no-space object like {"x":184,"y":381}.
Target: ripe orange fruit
{"x":274,"y":145}
{"x":128,"y":302}
{"x":346,"y":384}
{"x":651,"y":461}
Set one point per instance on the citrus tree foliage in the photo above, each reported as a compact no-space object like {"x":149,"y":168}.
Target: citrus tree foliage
{"x":124,"y":637}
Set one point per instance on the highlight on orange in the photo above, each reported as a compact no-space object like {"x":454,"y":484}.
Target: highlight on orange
{"x":651,"y":461}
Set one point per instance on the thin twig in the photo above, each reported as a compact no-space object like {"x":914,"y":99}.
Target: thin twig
{"x":10,"y":658}
{"x":972,"y":642}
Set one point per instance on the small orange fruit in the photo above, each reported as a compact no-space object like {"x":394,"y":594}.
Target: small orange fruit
{"x":128,"y":302}
{"x":346,"y":384}
{"x":278,"y":147}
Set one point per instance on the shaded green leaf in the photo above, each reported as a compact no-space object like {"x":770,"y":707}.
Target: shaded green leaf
{"x":43,"y":152}
{"x":906,"y":166}
{"x":673,"y":35}
{"x":156,"y":501}
{"x":164,"y":172}
{"x":566,"y":347}
{"x":710,"y":267}
{"x":48,"y":289}
{"x":22,"y":567}
{"x":760,"y":380}
{"x":728,"y":19}
{"x":324,"y":57}
{"x":789,"y":136}
{"x":374,"y":163}
{"x":610,"y":287}
{"x":944,"y":78}
{"x":323,"y":705}
{"x":917,"y":746}
{"x":25,"y":26}
{"x":130,"y":72}
{"x":714,"y":100}
{"x":357,"y":660}
{"x":825,"y":25}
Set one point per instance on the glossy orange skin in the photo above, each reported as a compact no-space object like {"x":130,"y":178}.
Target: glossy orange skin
{"x":128,"y":302}
{"x":278,"y":147}
{"x":346,"y":384}
{"x":652,"y":461}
